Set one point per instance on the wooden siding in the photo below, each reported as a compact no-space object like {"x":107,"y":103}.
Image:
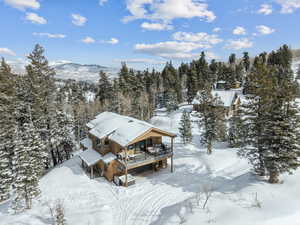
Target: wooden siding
{"x":152,"y":133}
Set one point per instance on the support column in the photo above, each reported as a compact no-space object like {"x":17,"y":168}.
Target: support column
{"x":126,"y":168}
{"x":172,"y":144}
{"x":92,"y":172}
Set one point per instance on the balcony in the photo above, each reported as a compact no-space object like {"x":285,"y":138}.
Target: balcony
{"x":139,"y":158}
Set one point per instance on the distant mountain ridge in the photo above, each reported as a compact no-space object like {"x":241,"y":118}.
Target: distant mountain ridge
{"x":83,"y":72}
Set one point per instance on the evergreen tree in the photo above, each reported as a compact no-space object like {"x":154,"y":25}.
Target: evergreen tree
{"x":232,"y":59}
{"x":172,"y":103}
{"x":185,"y":128}
{"x":25,"y":176}
{"x":104,"y":89}
{"x":211,"y":116}
{"x":191,"y":84}
{"x":236,"y":131}
{"x":246,"y":61}
{"x":272,"y":118}
{"x":7,"y":126}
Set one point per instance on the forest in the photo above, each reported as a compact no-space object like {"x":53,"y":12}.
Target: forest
{"x":43,"y":119}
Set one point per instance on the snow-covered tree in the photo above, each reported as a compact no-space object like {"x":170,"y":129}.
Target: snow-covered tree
{"x":26,"y":179}
{"x":172,"y":103}
{"x":7,"y":126}
{"x":236,"y":131}
{"x":211,"y":117}
{"x":185,"y":128}
{"x":104,"y":92}
{"x":272,"y":117}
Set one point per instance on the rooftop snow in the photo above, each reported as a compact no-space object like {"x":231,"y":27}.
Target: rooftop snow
{"x":87,"y":143}
{"x":90,"y":157}
{"x":226,"y":96}
{"x":121,"y":129}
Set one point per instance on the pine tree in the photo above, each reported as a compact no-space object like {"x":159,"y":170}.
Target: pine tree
{"x":236,"y":131}
{"x":185,"y":128}
{"x":25,"y":177}
{"x":104,"y":92}
{"x":272,"y":117}
{"x":246,"y":61}
{"x":191,"y":85}
{"x":211,"y":116}
{"x":172,"y":103}
{"x":7,"y":126}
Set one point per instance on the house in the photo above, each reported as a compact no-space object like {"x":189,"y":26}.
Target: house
{"x":117,"y":145}
{"x":230,"y":99}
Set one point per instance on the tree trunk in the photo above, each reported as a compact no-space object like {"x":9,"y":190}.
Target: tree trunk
{"x":53,"y":158}
{"x":209,"y":148}
{"x":273,"y":179}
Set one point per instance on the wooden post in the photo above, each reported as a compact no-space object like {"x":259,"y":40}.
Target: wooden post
{"x":92,"y":172}
{"x":172,"y":166}
{"x":126,"y":169}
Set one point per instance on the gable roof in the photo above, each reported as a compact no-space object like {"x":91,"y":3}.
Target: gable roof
{"x":226,"y":96}
{"x":120,"y":129}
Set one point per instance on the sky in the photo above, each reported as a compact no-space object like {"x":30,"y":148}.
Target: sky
{"x":145,"y":33}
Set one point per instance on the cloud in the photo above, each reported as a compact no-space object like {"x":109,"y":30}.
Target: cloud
{"x":102,"y":2}
{"x":171,"y":49}
{"x":239,"y":44}
{"x":78,"y":20}
{"x":23,"y":4}
{"x":88,"y":40}
{"x":288,"y":6}
{"x":264,"y":30}
{"x":201,"y":37}
{"x":7,"y":51}
{"x":156,"y":26}
{"x":265,"y":9}
{"x":112,"y":41}
{"x":167,"y":10}
{"x":239,"y":31}
{"x":49,"y":35}
{"x":217,"y":29}
{"x":35,"y":18}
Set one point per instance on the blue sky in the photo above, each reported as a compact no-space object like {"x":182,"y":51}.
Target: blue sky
{"x":145,"y":33}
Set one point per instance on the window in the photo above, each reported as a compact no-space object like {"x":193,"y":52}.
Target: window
{"x":98,"y":141}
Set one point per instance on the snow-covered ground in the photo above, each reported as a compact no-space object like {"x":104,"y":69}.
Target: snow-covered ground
{"x":164,"y":198}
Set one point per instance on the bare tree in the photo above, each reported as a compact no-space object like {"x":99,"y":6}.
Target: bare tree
{"x":208,"y":191}
{"x":58,"y":213}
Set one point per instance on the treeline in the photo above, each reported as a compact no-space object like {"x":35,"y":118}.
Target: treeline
{"x":35,"y":130}
{"x":138,"y":93}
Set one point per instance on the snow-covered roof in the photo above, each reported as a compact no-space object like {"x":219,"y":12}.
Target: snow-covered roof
{"x":118,"y":128}
{"x":90,"y":157}
{"x":227,"y":96}
{"x":108,"y":157}
{"x":87,"y":143}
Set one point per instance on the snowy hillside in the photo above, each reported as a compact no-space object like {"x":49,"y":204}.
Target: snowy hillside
{"x":67,"y":70}
{"x":164,"y":198}
{"x":81,"y":72}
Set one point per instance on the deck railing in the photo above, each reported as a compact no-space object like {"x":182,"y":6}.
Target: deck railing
{"x":146,"y":156}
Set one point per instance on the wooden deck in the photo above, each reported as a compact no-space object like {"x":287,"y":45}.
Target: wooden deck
{"x":145,"y":160}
